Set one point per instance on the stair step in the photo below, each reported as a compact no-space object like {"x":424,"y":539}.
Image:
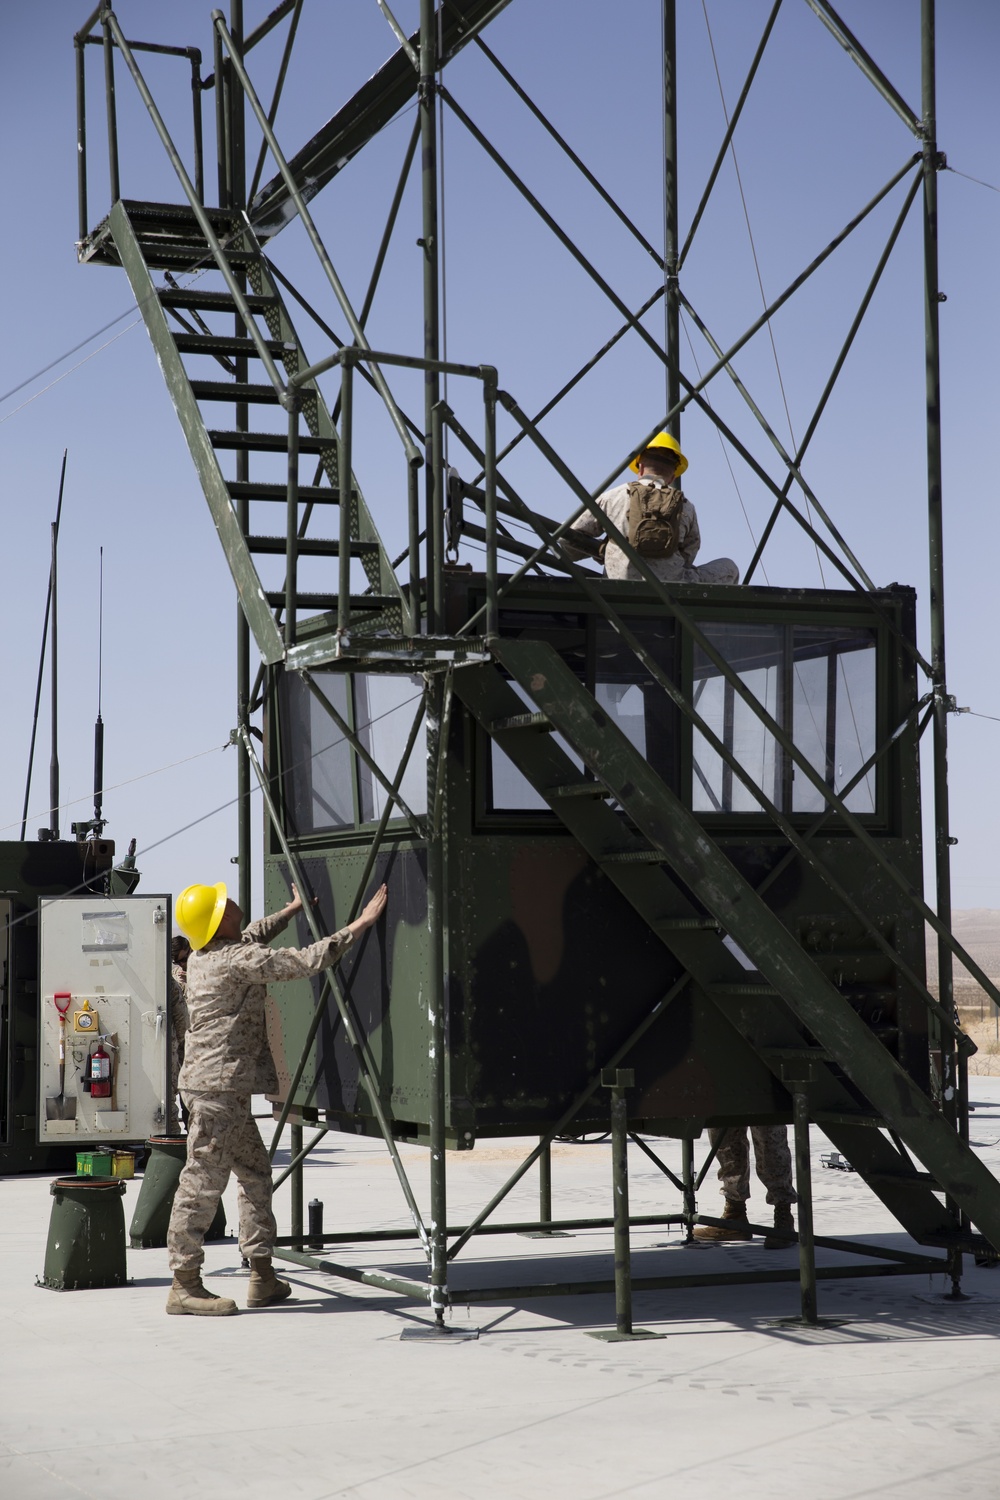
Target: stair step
{"x":164,"y":254}
{"x":796,"y":1054}
{"x":309,"y":546}
{"x":217,"y":343}
{"x":314,"y":494}
{"x":520,"y":721}
{"x":906,"y":1179}
{"x":176,"y":215}
{"x":327,"y":603}
{"x":727,"y":991}
{"x":268,"y":442}
{"x":197,"y":300}
{"x":634,"y":857}
{"x":580,"y":789}
{"x":688,"y":924}
{"x":234,"y":390}
{"x":970,"y":1242}
{"x":846,"y":1117}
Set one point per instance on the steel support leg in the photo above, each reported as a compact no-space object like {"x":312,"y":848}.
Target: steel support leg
{"x":296,"y":1147}
{"x":687,"y":1176}
{"x":618,"y":1080}
{"x":803,"y":1186}
{"x":545,"y":1189}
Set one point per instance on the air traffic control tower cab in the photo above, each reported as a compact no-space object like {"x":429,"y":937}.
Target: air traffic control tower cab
{"x":562,"y":916}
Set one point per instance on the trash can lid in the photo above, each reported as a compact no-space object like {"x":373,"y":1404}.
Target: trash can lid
{"x":90,"y":1184}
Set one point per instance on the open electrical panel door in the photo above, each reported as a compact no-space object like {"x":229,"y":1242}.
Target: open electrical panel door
{"x":103,"y":1043}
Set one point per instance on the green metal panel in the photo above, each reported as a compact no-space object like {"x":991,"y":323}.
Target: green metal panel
{"x":810,"y":996}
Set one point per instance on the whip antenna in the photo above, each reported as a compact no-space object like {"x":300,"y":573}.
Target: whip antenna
{"x":99,"y":726}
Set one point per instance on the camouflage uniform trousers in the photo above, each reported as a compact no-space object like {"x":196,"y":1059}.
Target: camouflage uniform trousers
{"x":222,"y":1138}
{"x":176,"y":1058}
{"x":771,"y":1157}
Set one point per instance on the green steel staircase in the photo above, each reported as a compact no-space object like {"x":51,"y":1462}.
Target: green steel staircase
{"x":189,"y":323}
{"x":803,"y":1029}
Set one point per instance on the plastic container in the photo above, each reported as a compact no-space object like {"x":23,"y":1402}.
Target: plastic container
{"x":94,"y":1164}
{"x":148,"y":1230}
{"x":86,"y":1244}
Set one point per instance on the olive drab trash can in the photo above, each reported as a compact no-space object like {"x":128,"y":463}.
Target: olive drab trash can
{"x":148,"y":1230}
{"x":86,"y":1245}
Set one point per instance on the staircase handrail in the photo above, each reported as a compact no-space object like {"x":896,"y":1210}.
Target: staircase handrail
{"x":395,"y":415}
{"x":204,"y":223}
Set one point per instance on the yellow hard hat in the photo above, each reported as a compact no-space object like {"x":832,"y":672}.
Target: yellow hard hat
{"x":662,"y":440}
{"x":199,"y":911}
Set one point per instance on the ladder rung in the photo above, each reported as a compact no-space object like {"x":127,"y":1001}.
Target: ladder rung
{"x":327,"y":603}
{"x":217,"y":343}
{"x":313,"y":494}
{"x":520,"y":721}
{"x":581,"y":789}
{"x":277,"y":546}
{"x":234,"y":390}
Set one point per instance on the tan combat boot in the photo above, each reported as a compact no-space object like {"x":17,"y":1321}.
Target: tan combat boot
{"x":187,"y":1295}
{"x":265,"y":1288}
{"x":782,"y":1220}
{"x":737,"y":1227}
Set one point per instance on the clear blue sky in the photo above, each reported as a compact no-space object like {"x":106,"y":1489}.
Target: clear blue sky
{"x":815,"y":144}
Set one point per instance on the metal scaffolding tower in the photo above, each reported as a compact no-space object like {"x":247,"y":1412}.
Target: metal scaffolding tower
{"x":645,"y":860}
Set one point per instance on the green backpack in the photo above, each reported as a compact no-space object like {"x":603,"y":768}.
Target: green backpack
{"x":653,"y":519}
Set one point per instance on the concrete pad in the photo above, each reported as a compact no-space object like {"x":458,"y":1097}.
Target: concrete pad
{"x":102,"y":1395}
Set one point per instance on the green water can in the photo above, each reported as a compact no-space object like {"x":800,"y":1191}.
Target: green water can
{"x":86,"y":1244}
{"x":148,"y":1230}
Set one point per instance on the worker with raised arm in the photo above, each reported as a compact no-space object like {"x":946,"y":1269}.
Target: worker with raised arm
{"x":656,"y":519}
{"x":226,"y":1059}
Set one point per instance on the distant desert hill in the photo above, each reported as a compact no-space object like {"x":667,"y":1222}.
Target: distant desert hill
{"x":978,"y":930}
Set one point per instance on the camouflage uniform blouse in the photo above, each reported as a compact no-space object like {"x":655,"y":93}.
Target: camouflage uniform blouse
{"x":226,"y":1043}
{"x":676,"y":569}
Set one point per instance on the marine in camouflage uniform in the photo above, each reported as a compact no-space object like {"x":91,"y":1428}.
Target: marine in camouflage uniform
{"x":679,"y":568}
{"x":773,"y":1161}
{"x":660,"y":465}
{"x":227,"y":1059}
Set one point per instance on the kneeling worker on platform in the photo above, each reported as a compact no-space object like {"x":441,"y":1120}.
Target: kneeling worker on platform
{"x":656,"y":519}
{"x":226,"y":1059}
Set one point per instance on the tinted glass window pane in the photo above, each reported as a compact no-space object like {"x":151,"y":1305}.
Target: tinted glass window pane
{"x":317,"y":758}
{"x":755,"y":652}
{"x":384,"y":712}
{"x":818,"y":683}
{"x":833,"y":711}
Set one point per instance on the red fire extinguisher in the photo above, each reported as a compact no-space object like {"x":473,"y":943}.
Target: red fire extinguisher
{"x":100,"y":1073}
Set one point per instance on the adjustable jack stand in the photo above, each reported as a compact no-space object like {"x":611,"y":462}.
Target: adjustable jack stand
{"x":437,"y":1332}
{"x":808,"y":1317}
{"x":618,"y":1080}
{"x":545,"y":1230}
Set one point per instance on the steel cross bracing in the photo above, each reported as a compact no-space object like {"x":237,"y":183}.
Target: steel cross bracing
{"x":801,"y":1029}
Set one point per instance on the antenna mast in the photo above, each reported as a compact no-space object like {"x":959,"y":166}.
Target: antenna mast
{"x":99,"y":726}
